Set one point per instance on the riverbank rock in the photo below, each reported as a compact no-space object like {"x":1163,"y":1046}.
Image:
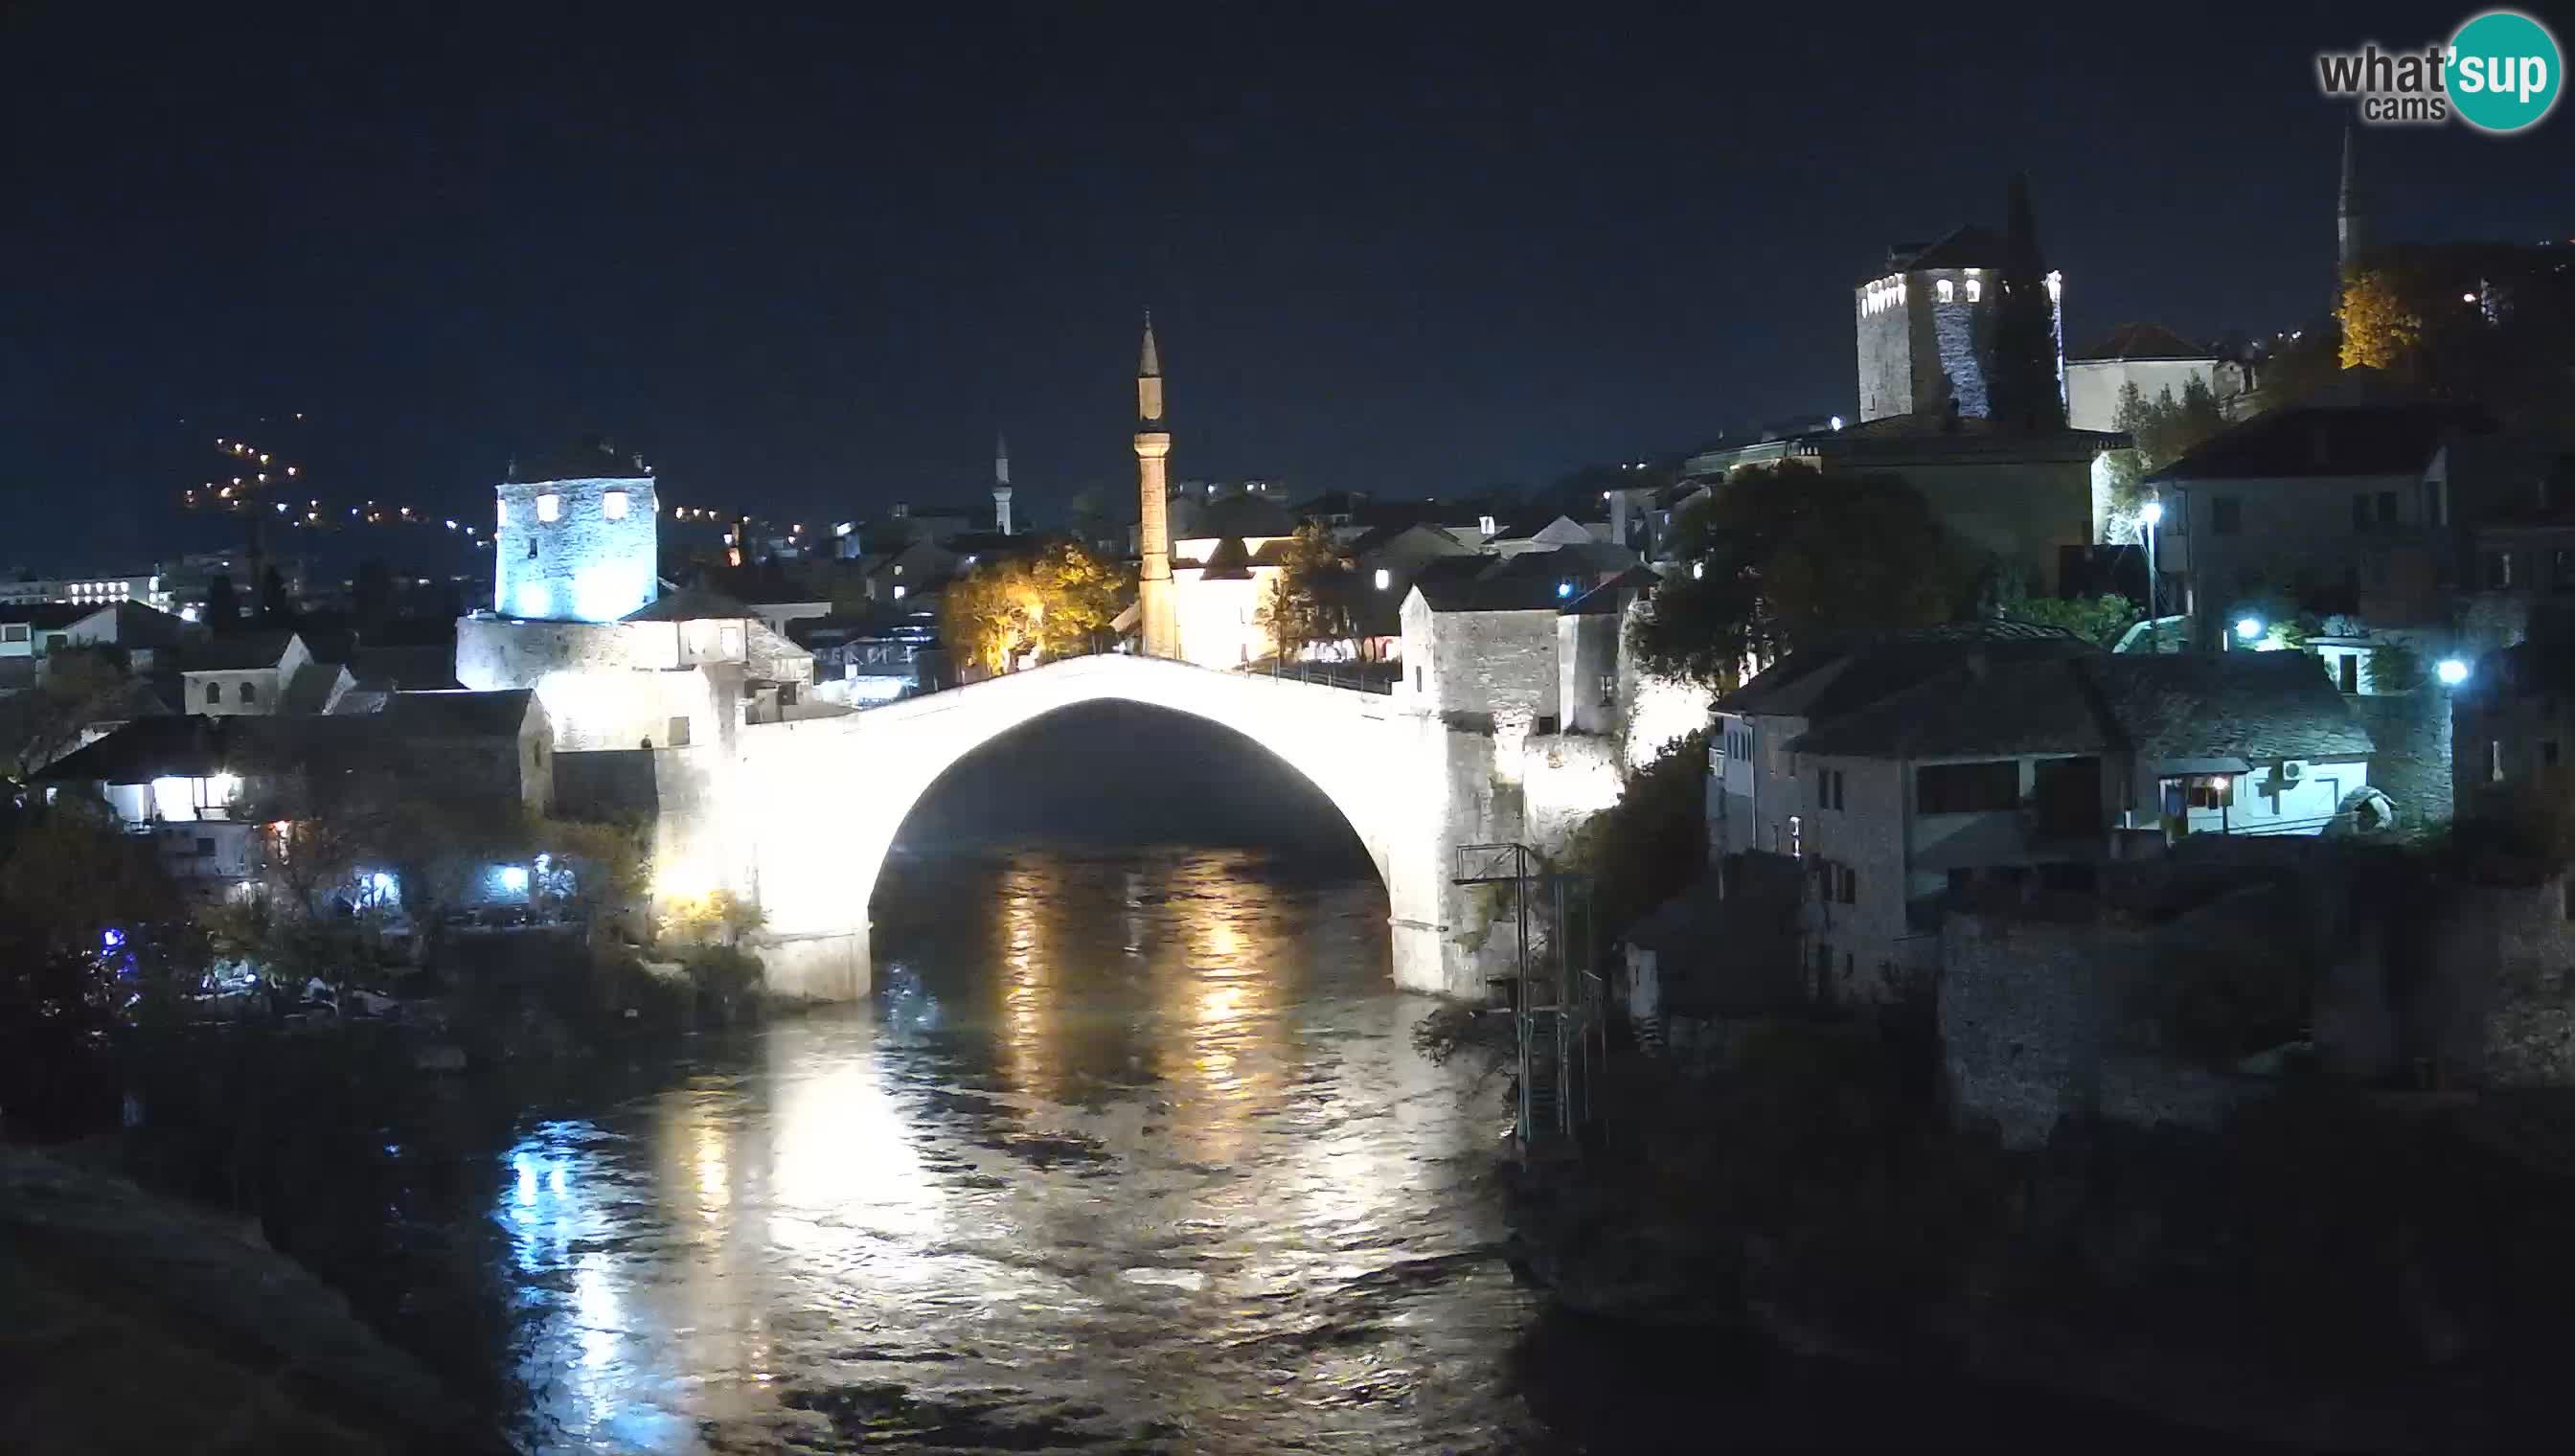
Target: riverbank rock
{"x":135,"y":1324}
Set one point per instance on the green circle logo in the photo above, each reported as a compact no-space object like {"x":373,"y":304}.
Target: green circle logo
{"x":2504,"y":71}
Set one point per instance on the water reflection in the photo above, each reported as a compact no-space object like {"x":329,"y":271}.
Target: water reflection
{"x":1125,"y":1154}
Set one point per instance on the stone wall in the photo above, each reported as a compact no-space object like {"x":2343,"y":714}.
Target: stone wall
{"x":2411,"y":762}
{"x":584,"y":565}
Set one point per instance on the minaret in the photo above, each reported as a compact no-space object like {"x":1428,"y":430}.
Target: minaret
{"x":1002,"y":485}
{"x":2351,"y":231}
{"x":1158,"y":629}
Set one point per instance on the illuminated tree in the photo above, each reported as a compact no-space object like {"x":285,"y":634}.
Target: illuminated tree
{"x":1057,"y":604}
{"x":2379,"y":326}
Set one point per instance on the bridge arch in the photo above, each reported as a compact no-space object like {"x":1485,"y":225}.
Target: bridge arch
{"x":815,"y":804}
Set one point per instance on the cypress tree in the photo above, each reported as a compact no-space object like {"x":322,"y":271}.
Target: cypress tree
{"x":2020,"y":372}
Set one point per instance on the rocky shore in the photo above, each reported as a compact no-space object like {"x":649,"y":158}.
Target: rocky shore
{"x":2302,"y":1282}
{"x":137,"y":1324}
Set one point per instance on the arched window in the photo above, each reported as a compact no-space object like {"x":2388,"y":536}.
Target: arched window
{"x":1976,"y":290}
{"x":250,"y":692}
{"x":214,"y":693}
{"x":1948,"y":291}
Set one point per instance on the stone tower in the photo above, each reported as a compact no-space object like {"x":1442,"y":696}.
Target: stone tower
{"x":1158,"y":626}
{"x":2351,"y":221}
{"x":1002,"y":485}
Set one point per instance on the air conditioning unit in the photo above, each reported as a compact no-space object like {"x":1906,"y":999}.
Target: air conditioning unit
{"x":2291,"y":773}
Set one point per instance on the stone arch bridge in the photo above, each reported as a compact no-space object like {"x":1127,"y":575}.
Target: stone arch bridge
{"x":801,"y":816}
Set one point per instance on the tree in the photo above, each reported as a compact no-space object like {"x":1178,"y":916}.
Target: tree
{"x":40,"y":725}
{"x":2380,"y":329}
{"x":274,"y":608}
{"x":371,"y":596}
{"x":2021,"y":364}
{"x":223,"y":605}
{"x":1782,"y":557}
{"x":2160,"y":430}
{"x":2101,"y":620}
{"x":1056,"y":604}
{"x":1308,"y":602}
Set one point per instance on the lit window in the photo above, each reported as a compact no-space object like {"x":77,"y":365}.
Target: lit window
{"x":1385,"y":578}
{"x":1976,"y":290}
{"x":613,"y":504}
{"x":1948,"y":291}
{"x":505,"y":512}
{"x":549,"y":507}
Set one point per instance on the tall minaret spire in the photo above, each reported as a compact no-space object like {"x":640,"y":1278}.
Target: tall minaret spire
{"x":1002,"y":484}
{"x":2352,"y":218}
{"x":1158,"y":628}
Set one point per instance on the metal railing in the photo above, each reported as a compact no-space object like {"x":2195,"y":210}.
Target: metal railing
{"x":1559,"y":1032}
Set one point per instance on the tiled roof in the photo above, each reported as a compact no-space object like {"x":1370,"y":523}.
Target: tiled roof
{"x":239,"y":653}
{"x":2252,"y":706}
{"x":45,"y":616}
{"x":458,"y":713}
{"x":1612,"y":596}
{"x":2145,"y":341}
{"x":585,"y":460}
{"x":1244,"y":515}
{"x":1972,"y":246}
{"x":308,"y":691}
{"x":2257,"y":706}
{"x":689,"y":604}
{"x":2305,"y":439}
{"x":1831,"y":678}
{"x":427,"y":666}
{"x":1530,"y":582}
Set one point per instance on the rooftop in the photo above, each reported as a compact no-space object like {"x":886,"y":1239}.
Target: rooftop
{"x":2143,"y":340}
{"x":2394,"y":439}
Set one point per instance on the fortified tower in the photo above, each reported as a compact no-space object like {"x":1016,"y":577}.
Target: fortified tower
{"x":575,"y":538}
{"x":1158,"y":626}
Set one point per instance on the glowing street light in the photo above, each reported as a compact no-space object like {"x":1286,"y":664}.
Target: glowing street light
{"x":2247,"y":627}
{"x":2451,"y":671}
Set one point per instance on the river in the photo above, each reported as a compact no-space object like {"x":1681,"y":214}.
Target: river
{"x":1130,"y":1153}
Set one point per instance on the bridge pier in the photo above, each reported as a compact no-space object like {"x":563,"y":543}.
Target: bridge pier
{"x":829,"y":966}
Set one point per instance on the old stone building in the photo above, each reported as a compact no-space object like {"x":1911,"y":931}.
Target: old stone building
{"x":1925,"y":323}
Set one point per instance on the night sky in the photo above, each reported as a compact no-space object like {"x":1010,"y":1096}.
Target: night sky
{"x":810,"y":265}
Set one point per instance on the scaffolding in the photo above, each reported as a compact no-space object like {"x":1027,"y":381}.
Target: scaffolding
{"x":1555,"y":990}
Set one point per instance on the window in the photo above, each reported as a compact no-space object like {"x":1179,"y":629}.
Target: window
{"x":13,"y":632}
{"x":613,"y":504}
{"x":1828,"y":789}
{"x":1796,"y":837}
{"x":2561,"y":570}
{"x":1948,"y":291}
{"x":2387,"y":508}
{"x":250,"y":692}
{"x":1417,"y":681}
{"x":2494,"y":761}
{"x":505,"y":512}
{"x":2498,"y":569}
{"x":2547,"y":753}
{"x":1608,"y":690}
{"x":2360,"y":513}
{"x":1956,"y":789}
{"x":1544,"y":725}
{"x":1845,"y":884}
{"x":549,"y":507}
{"x":1385,"y":578}
{"x":678,"y":735}
{"x":214,"y":693}
{"x":2199,"y":791}
{"x":1976,"y":290}
{"x":2225,"y":515}
{"x":2349,"y":663}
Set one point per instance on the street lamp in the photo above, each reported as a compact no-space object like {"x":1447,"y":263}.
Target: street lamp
{"x":2247,"y":627}
{"x":2154,"y":516}
{"x":2451,"y":671}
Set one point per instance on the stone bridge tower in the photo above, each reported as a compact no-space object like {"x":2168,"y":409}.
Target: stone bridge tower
{"x":1158,"y":628}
